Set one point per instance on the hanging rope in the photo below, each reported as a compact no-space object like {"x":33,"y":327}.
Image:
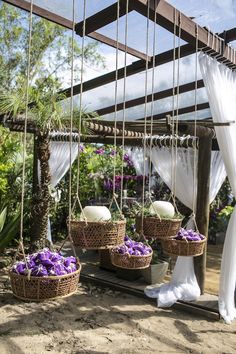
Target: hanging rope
{"x":173,"y":157}
{"x":145,"y":122}
{"x":71,"y":126}
{"x":21,"y":241}
{"x":152,"y":99}
{"x":114,"y":196}
{"x":124,"y":100}
{"x":195,"y":156}
{"x":77,"y":199}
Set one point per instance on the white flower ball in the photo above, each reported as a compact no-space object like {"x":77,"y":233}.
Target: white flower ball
{"x":96,"y":213}
{"x":163,"y":209}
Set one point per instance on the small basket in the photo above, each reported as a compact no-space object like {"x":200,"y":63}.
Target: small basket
{"x":97,"y":235}
{"x":128,"y":261}
{"x":183,"y":247}
{"x":154,"y":227}
{"x":44,"y":288}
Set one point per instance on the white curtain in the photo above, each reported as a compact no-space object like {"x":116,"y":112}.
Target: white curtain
{"x":136,"y":155}
{"x":183,"y":285}
{"x":220,"y":83}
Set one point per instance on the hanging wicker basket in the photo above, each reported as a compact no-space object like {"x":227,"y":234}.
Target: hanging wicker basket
{"x":44,"y":288}
{"x":154,"y":227}
{"x":97,"y":235}
{"x":183,"y":247}
{"x":128,"y":261}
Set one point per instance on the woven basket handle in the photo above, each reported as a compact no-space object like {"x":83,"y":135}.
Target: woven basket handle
{"x":77,"y":200}
{"x":114,"y":199}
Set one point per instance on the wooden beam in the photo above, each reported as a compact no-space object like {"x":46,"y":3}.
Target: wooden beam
{"x":229,"y":35}
{"x":112,"y":43}
{"x":101,"y":19}
{"x":184,"y":110}
{"x":42,"y":12}
{"x":172,"y":19}
{"x":152,"y":97}
{"x":203,"y":209}
{"x":134,"y":68}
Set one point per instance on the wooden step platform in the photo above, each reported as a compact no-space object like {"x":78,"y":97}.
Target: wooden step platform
{"x":206,"y":305}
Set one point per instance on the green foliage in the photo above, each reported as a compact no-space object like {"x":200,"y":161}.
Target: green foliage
{"x":50,"y":52}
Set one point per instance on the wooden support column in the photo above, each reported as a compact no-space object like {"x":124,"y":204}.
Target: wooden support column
{"x":202,"y":208}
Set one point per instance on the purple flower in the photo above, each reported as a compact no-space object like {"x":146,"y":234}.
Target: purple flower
{"x":100,"y":151}
{"x":46,"y":263}
{"x":108,"y":184}
{"x":128,"y":160}
{"x":39,"y":271}
{"x":112,"y":153}
{"x":69,"y":261}
{"x":81,"y":148}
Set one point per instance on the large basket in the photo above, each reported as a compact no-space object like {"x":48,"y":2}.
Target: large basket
{"x":183,"y":247}
{"x":154,"y":227}
{"x":44,"y":288}
{"x":97,"y":235}
{"x":128,"y":261}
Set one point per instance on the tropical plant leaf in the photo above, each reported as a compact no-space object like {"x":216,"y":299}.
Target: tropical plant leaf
{"x":10,"y":231}
{"x":3,"y":218}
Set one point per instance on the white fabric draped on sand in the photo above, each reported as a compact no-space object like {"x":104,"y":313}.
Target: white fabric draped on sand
{"x":220,"y":83}
{"x":183,"y":284}
{"x":59,"y":164}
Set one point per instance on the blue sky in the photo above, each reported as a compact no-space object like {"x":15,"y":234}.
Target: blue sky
{"x":218,"y":15}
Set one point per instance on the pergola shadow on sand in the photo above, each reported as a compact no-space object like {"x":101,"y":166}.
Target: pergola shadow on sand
{"x":103,"y":131}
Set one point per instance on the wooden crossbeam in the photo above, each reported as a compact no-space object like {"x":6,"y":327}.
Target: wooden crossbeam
{"x":229,"y":35}
{"x":151,"y":97}
{"x":172,"y":19}
{"x":101,"y":18}
{"x":184,"y":110}
{"x":112,"y":43}
{"x":134,"y":68}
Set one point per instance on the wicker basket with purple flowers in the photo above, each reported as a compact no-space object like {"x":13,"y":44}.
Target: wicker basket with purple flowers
{"x":185,"y":243}
{"x":131,"y":255}
{"x":45,"y":275}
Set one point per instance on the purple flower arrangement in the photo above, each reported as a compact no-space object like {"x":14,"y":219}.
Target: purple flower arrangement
{"x":189,"y":235}
{"x":132,"y":248}
{"x":45,"y":263}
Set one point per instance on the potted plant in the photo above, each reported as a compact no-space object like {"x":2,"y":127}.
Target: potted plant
{"x":157,"y":270}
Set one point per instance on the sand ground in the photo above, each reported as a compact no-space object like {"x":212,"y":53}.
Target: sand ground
{"x":98,"y":320}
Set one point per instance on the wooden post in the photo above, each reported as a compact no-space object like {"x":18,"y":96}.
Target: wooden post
{"x":202,"y":208}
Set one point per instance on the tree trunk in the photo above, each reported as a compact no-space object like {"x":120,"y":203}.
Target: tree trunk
{"x":41,"y":197}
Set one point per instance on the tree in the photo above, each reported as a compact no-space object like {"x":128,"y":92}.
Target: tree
{"x":50,"y":52}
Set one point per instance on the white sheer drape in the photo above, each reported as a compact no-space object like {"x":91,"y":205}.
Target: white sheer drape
{"x":183,"y":285}
{"x":59,"y":164}
{"x":220,"y":83}
{"x":136,"y":155}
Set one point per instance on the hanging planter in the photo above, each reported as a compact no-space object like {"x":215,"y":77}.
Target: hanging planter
{"x":159,"y":221}
{"x":186,"y":243}
{"x":97,"y":230}
{"x":47,"y":276}
{"x":158,"y":228}
{"x":131,"y":255}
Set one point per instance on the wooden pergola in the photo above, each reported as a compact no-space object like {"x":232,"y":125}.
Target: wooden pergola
{"x":103,"y":131}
